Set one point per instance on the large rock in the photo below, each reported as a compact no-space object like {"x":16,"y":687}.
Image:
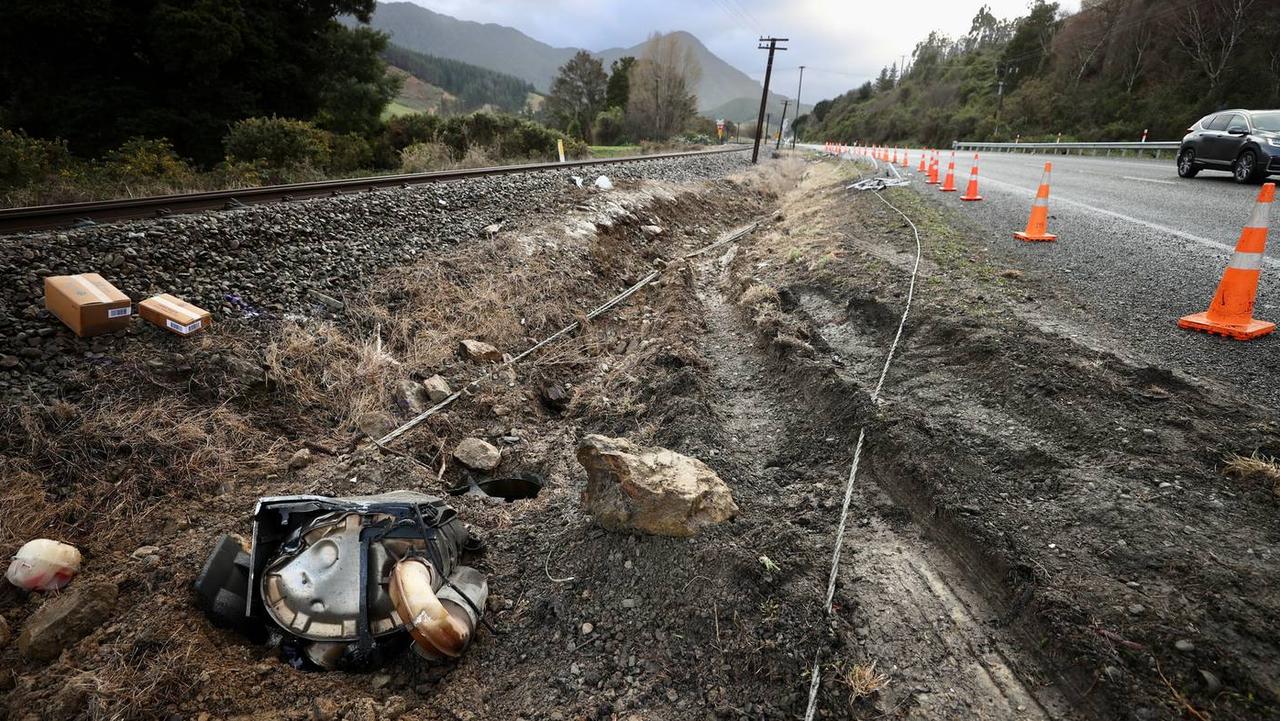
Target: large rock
{"x":477,"y":454}
{"x":411,"y":396}
{"x":653,"y":490}
{"x":69,"y":617}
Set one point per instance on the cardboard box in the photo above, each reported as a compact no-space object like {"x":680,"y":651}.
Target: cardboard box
{"x":174,"y":314}
{"x":87,"y":303}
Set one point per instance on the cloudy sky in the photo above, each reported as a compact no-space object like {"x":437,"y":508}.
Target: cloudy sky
{"x":842,"y":42}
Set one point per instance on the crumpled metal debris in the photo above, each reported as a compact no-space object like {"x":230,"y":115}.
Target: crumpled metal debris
{"x":345,"y":583}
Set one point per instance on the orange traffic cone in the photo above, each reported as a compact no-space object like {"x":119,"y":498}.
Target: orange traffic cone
{"x":922,"y":167}
{"x":895,"y":155}
{"x":933,"y":171}
{"x":906,"y":160}
{"x":1038,"y":223}
{"x":1231,"y":311}
{"x":949,"y":185}
{"x":971,"y":193}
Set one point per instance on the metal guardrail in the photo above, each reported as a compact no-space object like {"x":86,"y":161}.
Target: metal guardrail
{"x":1155,"y":147}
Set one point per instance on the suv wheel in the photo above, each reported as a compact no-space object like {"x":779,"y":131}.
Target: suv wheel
{"x":1245,"y":169}
{"x":1187,"y":167}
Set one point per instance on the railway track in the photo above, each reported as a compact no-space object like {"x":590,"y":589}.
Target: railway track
{"x":44,"y":217}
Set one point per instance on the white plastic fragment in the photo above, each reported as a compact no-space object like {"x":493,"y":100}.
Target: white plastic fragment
{"x":44,"y":565}
{"x":604,"y":183}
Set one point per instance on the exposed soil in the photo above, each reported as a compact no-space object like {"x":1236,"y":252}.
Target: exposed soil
{"x":1035,"y":524}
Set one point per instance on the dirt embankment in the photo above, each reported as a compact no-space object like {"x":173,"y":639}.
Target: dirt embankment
{"x":1083,"y":495}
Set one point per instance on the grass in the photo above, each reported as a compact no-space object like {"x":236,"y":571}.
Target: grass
{"x":395,"y":108}
{"x":864,"y":681}
{"x":613,"y":151}
{"x":1254,"y":467}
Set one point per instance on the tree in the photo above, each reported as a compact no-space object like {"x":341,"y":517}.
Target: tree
{"x":662,"y":81}
{"x":1025,"y":54}
{"x":1211,"y":32}
{"x":619,"y":90}
{"x":352,"y":101}
{"x":97,"y":73}
{"x":578,"y":94}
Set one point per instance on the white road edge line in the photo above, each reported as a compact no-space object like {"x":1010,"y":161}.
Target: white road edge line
{"x":1147,"y":180}
{"x":1208,"y":243}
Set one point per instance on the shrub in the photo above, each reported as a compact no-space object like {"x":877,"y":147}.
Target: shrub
{"x":405,"y":130}
{"x":349,"y":152}
{"x":421,"y":157}
{"x":278,"y":142}
{"x":143,"y":159}
{"x":609,"y":127}
{"x":26,"y":161}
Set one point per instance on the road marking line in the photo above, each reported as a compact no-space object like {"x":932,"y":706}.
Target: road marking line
{"x":1216,"y":245}
{"x":1148,"y":180}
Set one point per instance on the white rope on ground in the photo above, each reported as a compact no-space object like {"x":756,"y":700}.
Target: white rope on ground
{"x":603,"y":308}
{"x":815,"y":682}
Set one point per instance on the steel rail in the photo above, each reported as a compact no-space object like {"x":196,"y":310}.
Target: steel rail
{"x":44,"y":217}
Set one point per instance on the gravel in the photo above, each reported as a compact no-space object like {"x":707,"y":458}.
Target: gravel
{"x":268,"y":261}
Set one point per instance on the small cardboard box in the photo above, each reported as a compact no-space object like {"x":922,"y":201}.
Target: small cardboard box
{"x":87,"y":303}
{"x":174,"y":314}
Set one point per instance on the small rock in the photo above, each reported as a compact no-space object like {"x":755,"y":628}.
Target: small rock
{"x":324,"y":709}
{"x":1149,"y":432}
{"x":8,"y":361}
{"x":555,"y":397}
{"x":5,"y":633}
{"x":411,"y":396}
{"x":477,"y":454}
{"x":1011,"y":274}
{"x":67,"y":618}
{"x":1137,"y":609}
{"x":145,"y":551}
{"x":380,"y":680}
{"x":492,"y":230}
{"x":300,"y":459}
{"x":587,"y":628}
{"x":651,"y":229}
{"x":437,"y":388}
{"x":1184,"y":645}
{"x":479,"y":350}
{"x":375,"y":425}
{"x":1211,"y":683}
{"x":628,"y":603}
{"x":653,"y":490}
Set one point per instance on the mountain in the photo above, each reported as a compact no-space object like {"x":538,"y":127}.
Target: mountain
{"x":507,"y":50}
{"x":469,"y":86}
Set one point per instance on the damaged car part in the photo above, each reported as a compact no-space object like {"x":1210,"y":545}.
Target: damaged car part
{"x":347,"y":579}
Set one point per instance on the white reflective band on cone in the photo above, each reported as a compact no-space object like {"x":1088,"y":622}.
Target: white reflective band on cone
{"x":1260,"y":216}
{"x":1247,"y":261}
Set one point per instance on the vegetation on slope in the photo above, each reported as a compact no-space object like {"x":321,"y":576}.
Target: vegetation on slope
{"x":1108,"y":72}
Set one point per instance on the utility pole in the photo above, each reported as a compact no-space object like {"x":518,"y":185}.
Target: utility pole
{"x":782,"y":123}
{"x":768,"y":123}
{"x":999,"y":98}
{"x":764,"y":96}
{"x":798,"y":89}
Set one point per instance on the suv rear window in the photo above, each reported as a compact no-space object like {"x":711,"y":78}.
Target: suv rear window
{"x":1219,"y":122}
{"x":1269,"y":121}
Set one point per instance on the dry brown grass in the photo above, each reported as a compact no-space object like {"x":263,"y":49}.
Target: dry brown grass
{"x":90,"y":474}
{"x":864,"y":681}
{"x":1254,"y":467}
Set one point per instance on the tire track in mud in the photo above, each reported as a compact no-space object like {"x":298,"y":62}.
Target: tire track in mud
{"x":907,"y":605}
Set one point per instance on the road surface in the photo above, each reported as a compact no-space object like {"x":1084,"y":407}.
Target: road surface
{"x":1137,"y":248}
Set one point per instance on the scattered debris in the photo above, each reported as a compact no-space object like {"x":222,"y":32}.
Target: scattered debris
{"x":653,"y":490}
{"x":43,"y":565}
{"x":344,"y":580}
{"x":1254,"y":467}
{"x":864,"y":681}
{"x":479,"y":350}
{"x":477,"y":454}
{"x":174,"y":314}
{"x":64,"y":619}
{"x":554,"y":397}
{"x":437,"y":388}
{"x":768,"y":564}
{"x":652,"y":229}
{"x":1011,"y":274}
{"x":604,"y":183}
{"x":492,"y":229}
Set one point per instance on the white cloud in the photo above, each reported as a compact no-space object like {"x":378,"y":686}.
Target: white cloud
{"x":842,"y":43}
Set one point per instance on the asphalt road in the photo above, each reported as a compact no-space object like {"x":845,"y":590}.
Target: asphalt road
{"x":1137,"y":248}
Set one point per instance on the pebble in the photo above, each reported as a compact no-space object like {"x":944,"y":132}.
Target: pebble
{"x":1184,"y":645}
{"x":1137,"y":609}
{"x":628,"y":603}
{"x":587,"y":628}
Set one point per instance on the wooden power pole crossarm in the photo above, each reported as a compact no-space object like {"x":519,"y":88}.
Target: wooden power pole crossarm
{"x":764,"y":96}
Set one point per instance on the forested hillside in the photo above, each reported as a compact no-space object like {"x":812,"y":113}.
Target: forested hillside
{"x":1108,"y":72}
{"x":473,"y":86}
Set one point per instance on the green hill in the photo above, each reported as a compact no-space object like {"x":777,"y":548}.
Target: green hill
{"x":461,"y":87}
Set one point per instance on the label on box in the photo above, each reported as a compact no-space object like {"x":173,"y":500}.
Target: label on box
{"x":183,"y":329}
{"x":119,"y":312}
